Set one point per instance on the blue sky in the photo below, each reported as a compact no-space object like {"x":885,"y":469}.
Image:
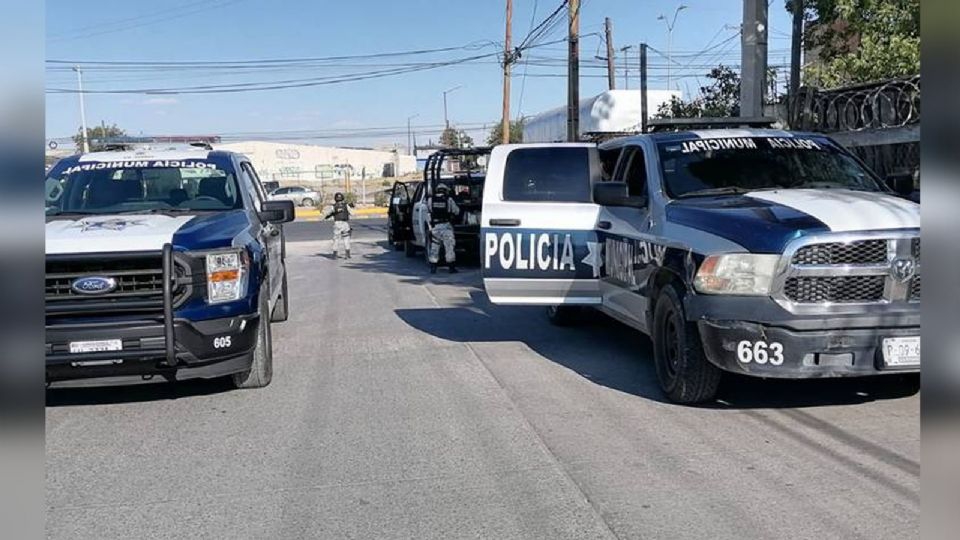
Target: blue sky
{"x":243,"y":30}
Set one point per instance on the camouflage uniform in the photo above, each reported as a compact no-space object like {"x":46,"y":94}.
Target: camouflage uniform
{"x":341,"y":224}
{"x":442,"y":209}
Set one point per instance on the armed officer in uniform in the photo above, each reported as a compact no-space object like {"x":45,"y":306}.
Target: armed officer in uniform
{"x":341,"y":224}
{"x":442,"y":209}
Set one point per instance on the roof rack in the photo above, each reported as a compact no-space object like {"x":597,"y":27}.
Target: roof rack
{"x":685,"y":124}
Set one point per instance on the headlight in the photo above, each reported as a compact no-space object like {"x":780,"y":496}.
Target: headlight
{"x":226,"y":276}
{"x":738,"y":273}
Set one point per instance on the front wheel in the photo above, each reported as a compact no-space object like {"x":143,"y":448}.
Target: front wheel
{"x":261,"y":370}
{"x":281,"y":311}
{"x":683,"y":371}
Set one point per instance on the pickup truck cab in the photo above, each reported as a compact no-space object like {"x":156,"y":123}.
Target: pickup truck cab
{"x":463,"y":171}
{"x":162,"y":264}
{"x":756,"y":251}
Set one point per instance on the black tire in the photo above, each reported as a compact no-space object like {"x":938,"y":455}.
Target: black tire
{"x":409,"y":249}
{"x":564,"y":315}
{"x":684,"y":373}
{"x":307,"y":201}
{"x":281,"y":311}
{"x":261,"y":371}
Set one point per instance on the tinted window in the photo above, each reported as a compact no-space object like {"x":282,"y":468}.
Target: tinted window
{"x":702,"y":166}
{"x":142,"y":186}
{"x":547,"y":174}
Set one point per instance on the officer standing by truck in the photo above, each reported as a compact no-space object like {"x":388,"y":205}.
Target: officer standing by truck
{"x":442,"y":210}
{"x":341,"y":224}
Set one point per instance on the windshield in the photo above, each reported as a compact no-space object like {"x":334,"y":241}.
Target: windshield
{"x":142,"y":186}
{"x":742,"y":164}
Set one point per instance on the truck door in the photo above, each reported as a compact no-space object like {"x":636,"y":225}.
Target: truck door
{"x":419,"y":215}
{"x":538,"y":227}
{"x":399,"y":212}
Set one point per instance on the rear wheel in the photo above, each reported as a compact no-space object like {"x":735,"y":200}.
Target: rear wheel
{"x":564,"y":315}
{"x":684,"y":373}
{"x":261,"y":370}
{"x":306,"y":202}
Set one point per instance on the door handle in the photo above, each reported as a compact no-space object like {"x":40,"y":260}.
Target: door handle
{"x":605,"y":225}
{"x":504,"y":222}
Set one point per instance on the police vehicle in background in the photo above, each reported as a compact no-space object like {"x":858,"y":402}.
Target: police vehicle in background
{"x":162,"y":264}
{"x":755,"y":251}
{"x":463,"y":170}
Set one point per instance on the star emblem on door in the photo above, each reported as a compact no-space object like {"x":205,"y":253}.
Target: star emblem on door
{"x":594,"y":258}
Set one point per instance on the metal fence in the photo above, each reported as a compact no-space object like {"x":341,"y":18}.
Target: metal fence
{"x":880,"y":122}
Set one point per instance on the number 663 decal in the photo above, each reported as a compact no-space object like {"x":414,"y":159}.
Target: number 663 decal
{"x":760,"y":352}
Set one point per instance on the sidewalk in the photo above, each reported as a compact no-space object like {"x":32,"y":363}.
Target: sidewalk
{"x":312,"y":214}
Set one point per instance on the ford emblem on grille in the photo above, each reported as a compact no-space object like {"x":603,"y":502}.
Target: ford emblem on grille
{"x":94,"y":285}
{"x":903,"y":270}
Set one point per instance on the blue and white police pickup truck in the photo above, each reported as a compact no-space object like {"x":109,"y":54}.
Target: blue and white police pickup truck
{"x":756,"y":251}
{"x":162,"y":264}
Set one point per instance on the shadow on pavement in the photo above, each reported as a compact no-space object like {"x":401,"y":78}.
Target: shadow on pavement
{"x":613,"y":355}
{"x":161,"y":391}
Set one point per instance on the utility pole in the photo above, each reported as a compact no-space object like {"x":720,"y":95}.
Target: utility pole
{"x":644,"y":114}
{"x":507,"y":61}
{"x":83,"y":111}
{"x":611,"y":71}
{"x":626,"y":66}
{"x":573,"y":72}
{"x":410,"y":145}
{"x":754,"y":58}
{"x":796,"y":49}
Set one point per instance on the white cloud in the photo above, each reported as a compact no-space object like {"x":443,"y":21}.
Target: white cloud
{"x":161,"y":101}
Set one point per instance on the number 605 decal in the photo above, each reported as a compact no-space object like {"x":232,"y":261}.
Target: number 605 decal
{"x":760,"y":352}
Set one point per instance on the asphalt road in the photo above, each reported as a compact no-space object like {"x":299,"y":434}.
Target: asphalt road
{"x":404,"y":405}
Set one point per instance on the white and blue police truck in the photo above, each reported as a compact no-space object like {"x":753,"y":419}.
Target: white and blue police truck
{"x":756,"y":251}
{"x":162,"y":264}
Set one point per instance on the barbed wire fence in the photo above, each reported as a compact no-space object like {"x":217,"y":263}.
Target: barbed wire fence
{"x":879,"y":122}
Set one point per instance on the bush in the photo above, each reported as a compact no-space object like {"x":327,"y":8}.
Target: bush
{"x":381,"y":198}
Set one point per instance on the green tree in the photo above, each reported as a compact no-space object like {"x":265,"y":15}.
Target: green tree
{"x":455,"y":138}
{"x":496,"y":134}
{"x":719,"y":99}
{"x":861,"y":41}
{"x":96,"y":134}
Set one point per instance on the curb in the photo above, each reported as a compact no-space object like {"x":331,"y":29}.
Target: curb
{"x":312,"y":214}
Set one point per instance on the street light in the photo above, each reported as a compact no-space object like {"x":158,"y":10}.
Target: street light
{"x":446,"y":122}
{"x":83,"y":111}
{"x":410,"y":135}
{"x":670,"y":26}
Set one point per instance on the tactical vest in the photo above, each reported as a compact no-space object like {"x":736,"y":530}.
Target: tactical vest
{"x":340,"y":212}
{"x":439,"y":209}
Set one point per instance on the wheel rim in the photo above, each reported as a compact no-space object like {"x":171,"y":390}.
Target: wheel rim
{"x":671,"y":345}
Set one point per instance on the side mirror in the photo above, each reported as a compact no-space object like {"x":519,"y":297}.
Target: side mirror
{"x":616,"y":194}
{"x":277,"y":212}
{"x":901,"y":183}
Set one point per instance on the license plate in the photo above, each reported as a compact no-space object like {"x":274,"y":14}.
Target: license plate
{"x":901,"y":351}
{"x":104,"y":345}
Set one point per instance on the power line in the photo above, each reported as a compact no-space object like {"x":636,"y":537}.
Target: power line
{"x":112,"y":27}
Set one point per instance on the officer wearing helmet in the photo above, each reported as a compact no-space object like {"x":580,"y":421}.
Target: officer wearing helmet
{"x":442,"y":209}
{"x":341,"y":224}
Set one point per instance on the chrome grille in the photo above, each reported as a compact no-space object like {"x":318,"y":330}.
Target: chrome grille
{"x":841,"y":272}
{"x":840,"y":290}
{"x":915,"y":289}
{"x":862,"y":252}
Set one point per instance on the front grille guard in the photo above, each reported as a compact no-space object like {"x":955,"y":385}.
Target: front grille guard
{"x":896,"y":295}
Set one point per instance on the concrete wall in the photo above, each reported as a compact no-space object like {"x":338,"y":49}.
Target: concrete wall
{"x":308,"y":164}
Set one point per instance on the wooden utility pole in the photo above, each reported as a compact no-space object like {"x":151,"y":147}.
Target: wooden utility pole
{"x":611,"y":71}
{"x":573,"y":73}
{"x":644,"y":114}
{"x":507,"y":61}
{"x":795,"y":48}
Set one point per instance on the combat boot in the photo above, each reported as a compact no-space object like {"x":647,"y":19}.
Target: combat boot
{"x":334,"y":254}
{"x":348,"y":253}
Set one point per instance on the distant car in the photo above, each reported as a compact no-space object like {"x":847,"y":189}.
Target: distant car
{"x":300,"y":196}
